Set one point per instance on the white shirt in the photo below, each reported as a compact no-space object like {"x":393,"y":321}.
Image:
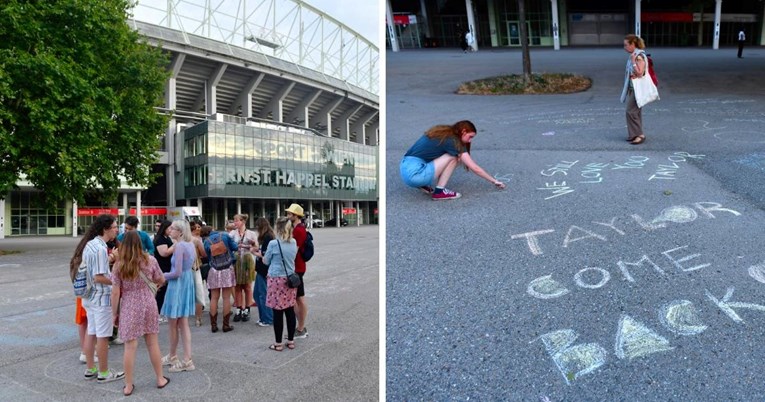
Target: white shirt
{"x":741,"y":36}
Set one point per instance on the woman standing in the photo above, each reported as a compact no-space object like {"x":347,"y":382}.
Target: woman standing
{"x":196,"y":230}
{"x":163,"y":251}
{"x":138,"y":315}
{"x":435,"y":156}
{"x":280,"y":258}
{"x":636,"y":65}
{"x":265,"y":235}
{"x":179,"y":298}
{"x":244,"y":268}
{"x":219,"y":279}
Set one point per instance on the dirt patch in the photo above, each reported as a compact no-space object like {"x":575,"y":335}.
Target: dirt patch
{"x":513,"y":85}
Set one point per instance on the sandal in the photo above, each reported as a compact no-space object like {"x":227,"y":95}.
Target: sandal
{"x":638,"y":140}
{"x":128,"y":393}
{"x":290,"y":344}
{"x":277,"y":347}
{"x":163,"y":386}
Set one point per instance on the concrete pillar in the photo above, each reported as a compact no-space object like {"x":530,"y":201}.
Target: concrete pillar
{"x":2,"y":219}
{"x":424,"y":13}
{"x":138,"y":208}
{"x":244,"y":100}
{"x":238,"y":206}
{"x":493,"y":24}
{"x":391,"y":26}
{"x":471,"y":24}
{"x":718,"y":13}
{"x":275,"y":106}
{"x":556,"y":24}
{"x":300,"y":115}
{"x":74,"y":218}
{"x":345,"y":122}
{"x":637,"y":17}
{"x":762,"y":26}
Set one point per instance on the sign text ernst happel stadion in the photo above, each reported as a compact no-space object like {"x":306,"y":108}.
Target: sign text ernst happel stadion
{"x":289,"y":178}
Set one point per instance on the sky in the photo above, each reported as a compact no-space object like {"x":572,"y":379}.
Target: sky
{"x":363,"y":16}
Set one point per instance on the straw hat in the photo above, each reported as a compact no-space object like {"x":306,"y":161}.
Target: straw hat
{"x":295,"y":209}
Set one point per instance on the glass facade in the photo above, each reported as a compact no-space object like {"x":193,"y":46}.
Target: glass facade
{"x":29,"y":217}
{"x":270,"y":161}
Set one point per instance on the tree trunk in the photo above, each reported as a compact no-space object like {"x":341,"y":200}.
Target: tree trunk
{"x":524,"y":42}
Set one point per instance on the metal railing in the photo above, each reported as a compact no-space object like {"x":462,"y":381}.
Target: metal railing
{"x":290,"y":30}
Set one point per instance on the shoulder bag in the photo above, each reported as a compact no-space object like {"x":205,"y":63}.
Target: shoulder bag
{"x":293,"y":279}
{"x":645,"y":90}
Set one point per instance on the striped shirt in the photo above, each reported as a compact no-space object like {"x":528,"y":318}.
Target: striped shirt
{"x":96,"y":258}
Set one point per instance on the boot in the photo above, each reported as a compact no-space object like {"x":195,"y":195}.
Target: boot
{"x":226,"y":326}
{"x":214,"y":322}
{"x":238,"y":314}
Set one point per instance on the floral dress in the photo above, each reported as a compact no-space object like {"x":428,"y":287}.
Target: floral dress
{"x":138,"y":308}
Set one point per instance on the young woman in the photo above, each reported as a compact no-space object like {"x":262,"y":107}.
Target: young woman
{"x":196,"y":230}
{"x":435,"y":156}
{"x":636,"y":65}
{"x":163,"y":252}
{"x":180,"y":296}
{"x":281,"y":251}
{"x":219,"y":280}
{"x":244,"y":268}
{"x":265,"y":235}
{"x":138,"y":315}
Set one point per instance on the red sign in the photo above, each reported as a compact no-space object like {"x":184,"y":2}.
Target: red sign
{"x":149,"y":211}
{"x":401,"y":19}
{"x":666,"y":17}
{"x":349,"y":211}
{"x":97,"y":211}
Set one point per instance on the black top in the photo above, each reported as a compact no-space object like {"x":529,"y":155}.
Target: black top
{"x":164,"y":262}
{"x":260,"y":268}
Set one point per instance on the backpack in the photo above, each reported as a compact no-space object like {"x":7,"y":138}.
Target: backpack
{"x":220,"y":258}
{"x":81,"y":282}
{"x":307,"y":253}
{"x":650,"y":70}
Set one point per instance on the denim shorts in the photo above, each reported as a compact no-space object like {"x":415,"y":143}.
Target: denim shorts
{"x":415,"y":172}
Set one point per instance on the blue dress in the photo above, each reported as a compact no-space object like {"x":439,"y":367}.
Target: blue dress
{"x":180,"y":297}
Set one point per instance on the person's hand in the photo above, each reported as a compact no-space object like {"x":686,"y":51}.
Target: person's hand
{"x":500,"y":185}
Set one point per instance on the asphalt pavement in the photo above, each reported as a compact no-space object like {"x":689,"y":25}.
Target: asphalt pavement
{"x":605,"y":270}
{"x":338,"y":361}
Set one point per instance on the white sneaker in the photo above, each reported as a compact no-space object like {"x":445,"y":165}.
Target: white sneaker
{"x":84,"y":359}
{"x":162,"y":319}
{"x":117,"y":341}
{"x":110,"y":376}
{"x":263,"y":324}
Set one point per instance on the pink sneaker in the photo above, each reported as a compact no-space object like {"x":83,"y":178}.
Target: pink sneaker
{"x":446,"y":195}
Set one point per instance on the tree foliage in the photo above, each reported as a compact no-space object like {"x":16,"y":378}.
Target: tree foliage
{"x":78,"y":89}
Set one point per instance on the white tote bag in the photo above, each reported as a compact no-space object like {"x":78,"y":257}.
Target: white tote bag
{"x":200,"y":293}
{"x":645,"y":91}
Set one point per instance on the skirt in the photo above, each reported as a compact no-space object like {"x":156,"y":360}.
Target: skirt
{"x":278,"y":295}
{"x":220,"y":279}
{"x":180,"y":300}
{"x":245,"y":269}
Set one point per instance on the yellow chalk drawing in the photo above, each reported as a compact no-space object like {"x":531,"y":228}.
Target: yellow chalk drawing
{"x":680,"y":317}
{"x":634,"y":339}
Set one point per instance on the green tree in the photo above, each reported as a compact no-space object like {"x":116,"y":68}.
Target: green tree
{"x":78,"y":89}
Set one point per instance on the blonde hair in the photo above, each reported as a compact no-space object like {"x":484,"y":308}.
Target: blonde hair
{"x":131,"y":256}
{"x":242,"y":217}
{"x":284,"y":228}
{"x":635,"y":40}
{"x":183,"y":227}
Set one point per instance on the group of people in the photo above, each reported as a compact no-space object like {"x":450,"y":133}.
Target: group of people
{"x":135,"y":283}
{"x":436,"y":154}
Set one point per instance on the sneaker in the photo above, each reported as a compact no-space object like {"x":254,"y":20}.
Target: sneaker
{"x":246,"y":315}
{"x":301,"y":334}
{"x":84,"y":359}
{"x":162,"y":319}
{"x":91,"y":374}
{"x":427,"y":190}
{"x":117,"y":341}
{"x":238,"y":316}
{"x":110,"y":376}
{"x":169,"y":361}
{"x":446,"y":194}
{"x":182,"y":366}
{"x":263,"y":324}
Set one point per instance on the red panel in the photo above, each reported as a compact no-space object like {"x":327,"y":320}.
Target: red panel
{"x":666,"y":17}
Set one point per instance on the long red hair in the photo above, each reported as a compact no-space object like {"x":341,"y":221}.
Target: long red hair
{"x":443,"y":132}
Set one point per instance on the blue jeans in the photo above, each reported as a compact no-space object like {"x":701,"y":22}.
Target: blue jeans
{"x":265,"y":314}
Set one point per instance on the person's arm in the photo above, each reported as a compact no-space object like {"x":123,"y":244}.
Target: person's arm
{"x":200,"y":248}
{"x":164,"y":250}
{"x":473,"y":167}
{"x":115,"y":306}
{"x":267,"y":256}
{"x":177,"y":268}
{"x":638,"y":65}
{"x":148,"y":245}
{"x":156,"y":273}
{"x":102,"y":268}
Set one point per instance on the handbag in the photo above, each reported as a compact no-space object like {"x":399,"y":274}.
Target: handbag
{"x":645,"y":90}
{"x":152,"y":286}
{"x":199,"y":288}
{"x":293,"y":279}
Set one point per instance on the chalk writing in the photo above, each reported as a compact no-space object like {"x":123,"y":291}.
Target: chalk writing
{"x":678,"y":214}
{"x":559,"y":168}
{"x":557,"y":189}
{"x":727,"y":306}
{"x":634,"y":339}
{"x":634,"y":162}
{"x":680,"y":317}
{"x":573,"y":361}
{"x":592,"y":172}
{"x":756,"y":160}
{"x":758,"y":272}
{"x":667,"y":172}
{"x":704,"y":127}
